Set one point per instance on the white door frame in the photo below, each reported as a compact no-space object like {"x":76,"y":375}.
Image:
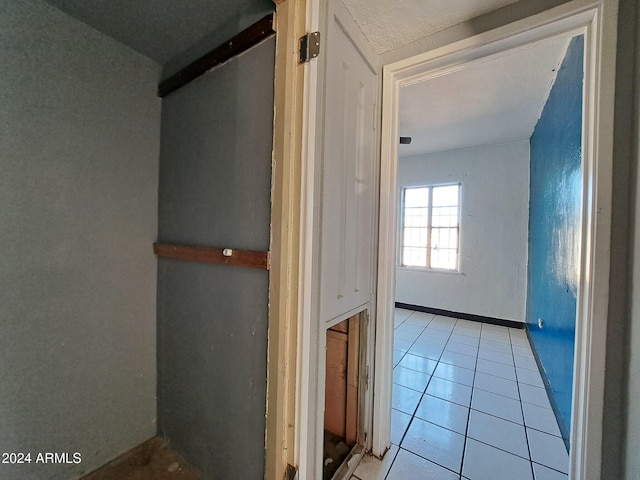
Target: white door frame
{"x":598,"y":21}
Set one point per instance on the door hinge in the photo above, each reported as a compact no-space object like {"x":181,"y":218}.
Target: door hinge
{"x":309,"y":46}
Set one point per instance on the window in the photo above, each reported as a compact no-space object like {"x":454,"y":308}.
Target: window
{"x":431,"y":227}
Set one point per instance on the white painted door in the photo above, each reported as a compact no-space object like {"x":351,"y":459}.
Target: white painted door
{"x":348,"y":170}
{"x":339,"y":220}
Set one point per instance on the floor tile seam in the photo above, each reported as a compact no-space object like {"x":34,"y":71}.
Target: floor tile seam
{"x":493,"y":339}
{"x":413,"y":416}
{"x":393,"y":461}
{"x":498,"y":376}
{"x":422,"y":328}
{"x":427,"y":459}
{"x":449,"y":380}
{"x":503,"y":450}
{"x":544,"y":465}
{"x":476,"y":344}
{"x":544,"y":431}
{"x":530,"y":384}
{"x":438,"y":360}
{"x":526,"y":434}
{"x":535,"y":404}
{"x":499,"y":394}
{"x":442,"y":426}
{"x":472,"y":356}
{"x":466,"y":432}
{"x":496,"y":361}
{"x":422,"y":356}
{"x":496,"y":416}
{"x":550,"y":468}
{"x":491,"y":349}
{"x":413,"y":369}
{"x":534,"y":368}
{"x":460,"y":328}
{"x":397,"y":333}
{"x":462,"y":344}
{"x":409,"y":388}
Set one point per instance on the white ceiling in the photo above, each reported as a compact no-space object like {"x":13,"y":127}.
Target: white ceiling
{"x":498,"y":100}
{"x":390,"y":24}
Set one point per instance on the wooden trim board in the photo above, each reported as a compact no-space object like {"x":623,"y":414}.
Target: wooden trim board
{"x":240,"y":43}
{"x":286,"y":199}
{"x":225,"y":256}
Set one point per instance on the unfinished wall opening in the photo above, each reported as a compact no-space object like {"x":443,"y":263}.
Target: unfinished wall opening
{"x":344,"y":388}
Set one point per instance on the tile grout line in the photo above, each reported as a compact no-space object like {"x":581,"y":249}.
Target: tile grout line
{"x":438,"y":362}
{"x":466,"y":432}
{"x":524,"y":421}
{"x":418,"y":405}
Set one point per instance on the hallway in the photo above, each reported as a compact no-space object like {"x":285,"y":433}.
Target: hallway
{"x":468,"y":403}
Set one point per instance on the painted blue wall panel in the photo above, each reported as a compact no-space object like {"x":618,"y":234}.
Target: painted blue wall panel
{"x":554,"y":226}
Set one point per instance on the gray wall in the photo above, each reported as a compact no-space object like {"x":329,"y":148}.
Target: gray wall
{"x":215,"y":183}
{"x":630,"y":33}
{"x":79,"y":139}
{"x":233,"y":18}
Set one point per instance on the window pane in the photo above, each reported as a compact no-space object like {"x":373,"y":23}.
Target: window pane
{"x":416,"y":197}
{"x":440,"y":220}
{"x":444,"y":238}
{"x":444,"y":217}
{"x":416,"y":217}
{"x":414,"y":257}
{"x":415,"y":237}
{"x":444,"y":258}
{"x":446,"y":196}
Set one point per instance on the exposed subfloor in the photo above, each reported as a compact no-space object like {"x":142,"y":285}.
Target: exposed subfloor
{"x":468,"y":403}
{"x":335,"y":452}
{"x":153,"y":460}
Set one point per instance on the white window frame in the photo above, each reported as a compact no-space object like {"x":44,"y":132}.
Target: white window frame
{"x":429,"y":227}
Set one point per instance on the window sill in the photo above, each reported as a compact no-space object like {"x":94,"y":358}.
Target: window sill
{"x":430,"y":270}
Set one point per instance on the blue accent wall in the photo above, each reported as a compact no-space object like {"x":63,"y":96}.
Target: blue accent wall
{"x":554,"y":227}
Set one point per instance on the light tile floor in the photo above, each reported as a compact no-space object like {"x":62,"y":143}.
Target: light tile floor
{"x":468,"y":403}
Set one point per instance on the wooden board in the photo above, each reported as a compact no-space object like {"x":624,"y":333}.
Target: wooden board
{"x":242,"y":258}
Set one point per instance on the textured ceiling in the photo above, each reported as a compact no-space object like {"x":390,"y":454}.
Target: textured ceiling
{"x":498,"y":100}
{"x":390,"y":24}
{"x":162,"y":29}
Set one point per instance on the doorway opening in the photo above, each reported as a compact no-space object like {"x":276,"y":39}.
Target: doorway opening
{"x":343,"y":407}
{"x":574,"y":19}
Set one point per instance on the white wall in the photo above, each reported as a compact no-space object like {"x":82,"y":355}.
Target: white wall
{"x":493,"y":231}
{"x":79,"y":141}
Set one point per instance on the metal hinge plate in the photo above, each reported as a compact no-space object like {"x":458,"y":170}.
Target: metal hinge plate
{"x":309,"y":46}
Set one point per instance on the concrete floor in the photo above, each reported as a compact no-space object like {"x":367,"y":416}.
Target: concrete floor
{"x":153,"y":460}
